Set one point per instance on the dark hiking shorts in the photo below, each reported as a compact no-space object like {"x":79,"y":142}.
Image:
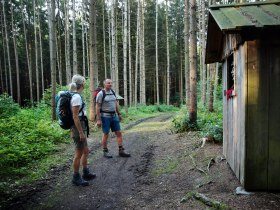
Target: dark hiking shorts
{"x":76,"y":136}
{"x":112,"y":123}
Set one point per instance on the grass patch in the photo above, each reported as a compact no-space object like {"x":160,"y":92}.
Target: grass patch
{"x":166,"y":166}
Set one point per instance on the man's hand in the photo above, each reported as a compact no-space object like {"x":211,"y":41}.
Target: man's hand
{"x":99,"y":123}
{"x":120,"y":117}
{"x":82,"y":136}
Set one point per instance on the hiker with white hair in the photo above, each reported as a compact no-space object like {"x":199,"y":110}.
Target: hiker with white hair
{"x":79,"y":132}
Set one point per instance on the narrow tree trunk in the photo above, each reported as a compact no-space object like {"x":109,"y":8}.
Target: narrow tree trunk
{"x":88,"y":57}
{"x":104,"y":40}
{"x":92,"y":59}
{"x":51,"y":20}
{"x":129,"y":55}
{"x":137,"y":55}
{"x":67,"y":43}
{"x":75,"y":62}
{"x":157,"y":81}
{"x":16,"y":58}
{"x":83,"y":37}
{"x":125,"y":55}
{"x":27,"y":55}
{"x":193,"y":63}
{"x":95,"y":48}
{"x":116,"y":50}
{"x":211,"y":87}
{"x":113,"y":47}
{"x":41,"y":58}
{"x":4,"y":52}
{"x":216,"y":82}
{"x":110,"y":44}
{"x":167,"y":58}
{"x":36,"y":53}
{"x":1,"y":75}
{"x":142,"y":55}
{"x":187,"y":62}
{"x":203,"y":52}
{"x":8,"y":49}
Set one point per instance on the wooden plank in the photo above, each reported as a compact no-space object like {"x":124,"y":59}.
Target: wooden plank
{"x":260,"y":16}
{"x":242,"y":108}
{"x":217,"y":6}
{"x":223,"y":22}
{"x":271,"y":53}
{"x":256,"y":122}
{"x":236,"y":17}
{"x":225,"y":118}
{"x":274,"y":9}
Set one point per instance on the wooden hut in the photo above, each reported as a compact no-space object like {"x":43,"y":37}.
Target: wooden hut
{"x":245,"y":38}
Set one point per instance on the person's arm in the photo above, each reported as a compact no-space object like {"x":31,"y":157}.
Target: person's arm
{"x":98,"y":115}
{"x":118,"y":110}
{"x":75,"y":111}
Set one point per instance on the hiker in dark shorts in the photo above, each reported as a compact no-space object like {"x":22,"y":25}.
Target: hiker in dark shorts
{"x":109,"y":117}
{"x":79,"y":132}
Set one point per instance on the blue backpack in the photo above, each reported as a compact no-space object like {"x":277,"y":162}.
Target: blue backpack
{"x":63,"y":109}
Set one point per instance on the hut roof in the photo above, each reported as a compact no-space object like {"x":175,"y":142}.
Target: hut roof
{"x":238,"y":18}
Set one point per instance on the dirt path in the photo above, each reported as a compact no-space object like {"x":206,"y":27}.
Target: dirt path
{"x":159,"y":175}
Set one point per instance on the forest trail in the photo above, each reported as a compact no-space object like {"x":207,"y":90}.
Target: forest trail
{"x":164,"y":167}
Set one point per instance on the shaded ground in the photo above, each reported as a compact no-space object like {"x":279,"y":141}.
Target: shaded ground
{"x":163,"y":168}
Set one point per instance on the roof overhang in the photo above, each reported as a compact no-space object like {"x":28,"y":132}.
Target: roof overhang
{"x":238,"y":19}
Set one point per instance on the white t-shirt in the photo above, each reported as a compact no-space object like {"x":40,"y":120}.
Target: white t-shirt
{"x":76,"y":100}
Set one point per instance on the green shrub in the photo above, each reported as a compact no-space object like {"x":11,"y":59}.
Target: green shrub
{"x":7,"y":106}
{"x":208,"y":124}
{"x":28,"y":136}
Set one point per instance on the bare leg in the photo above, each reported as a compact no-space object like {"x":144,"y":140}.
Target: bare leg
{"x":77,"y":160}
{"x":85,"y":157}
{"x":104,"y":140}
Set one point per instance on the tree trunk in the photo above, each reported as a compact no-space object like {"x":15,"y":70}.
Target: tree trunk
{"x":51,"y":20}
{"x":75,"y":62}
{"x":27,"y":55}
{"x":113,"y":47}
{"x":1,"y":79}
{"x":116,"y":50}
{"x":95,"y":48}
{"x":187,"y":62}
{"x":41,"y":58}
{"x":83,"y":37}
{"x":5,"y":60}
{"x":203,"y":52}
{"x":216,"y":82}
{"x":125,"y":56}
{"x":67,"y":43}
{"x":110,"y":44}
{"x":211,"y":87}
{"x":92,"y":59}
{"x":157,"y":82}
{"x":129,"y":55}
{"x":193,"y":63}
{"x":8,"y":49}
{"x":104,"y":40}
{"x":137,"y":55}
{"x":16,"y":58}
{"x":168,"y":58}
{"x":142,"y":56}
{"x":36,"y":53}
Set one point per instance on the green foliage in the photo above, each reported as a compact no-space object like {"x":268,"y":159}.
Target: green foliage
{"x":27,"y":136}
{"x":208,"y":124}
{"x":7,"y":106}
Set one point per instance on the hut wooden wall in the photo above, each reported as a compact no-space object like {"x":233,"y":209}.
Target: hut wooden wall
{"x":234,"y":108}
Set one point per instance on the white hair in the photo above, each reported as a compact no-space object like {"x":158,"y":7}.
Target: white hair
{"x":77,"y":82}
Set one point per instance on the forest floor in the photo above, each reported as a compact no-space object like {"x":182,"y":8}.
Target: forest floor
{"x":165,"y":168}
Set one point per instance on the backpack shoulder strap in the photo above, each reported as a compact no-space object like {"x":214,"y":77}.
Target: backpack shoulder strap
{"x":103,"y":96}
{"x":114,"y":93}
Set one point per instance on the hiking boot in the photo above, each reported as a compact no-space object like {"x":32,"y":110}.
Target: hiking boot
{"x":87,"y":175}
{"x":107,"y":154}
{"x":122,"y":153}
{"x":78,"y":180}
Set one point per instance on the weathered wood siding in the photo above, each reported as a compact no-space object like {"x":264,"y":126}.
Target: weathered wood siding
{"x":234,"y":109}
{"x":257,"y":120}
{"x":271,"y":53}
